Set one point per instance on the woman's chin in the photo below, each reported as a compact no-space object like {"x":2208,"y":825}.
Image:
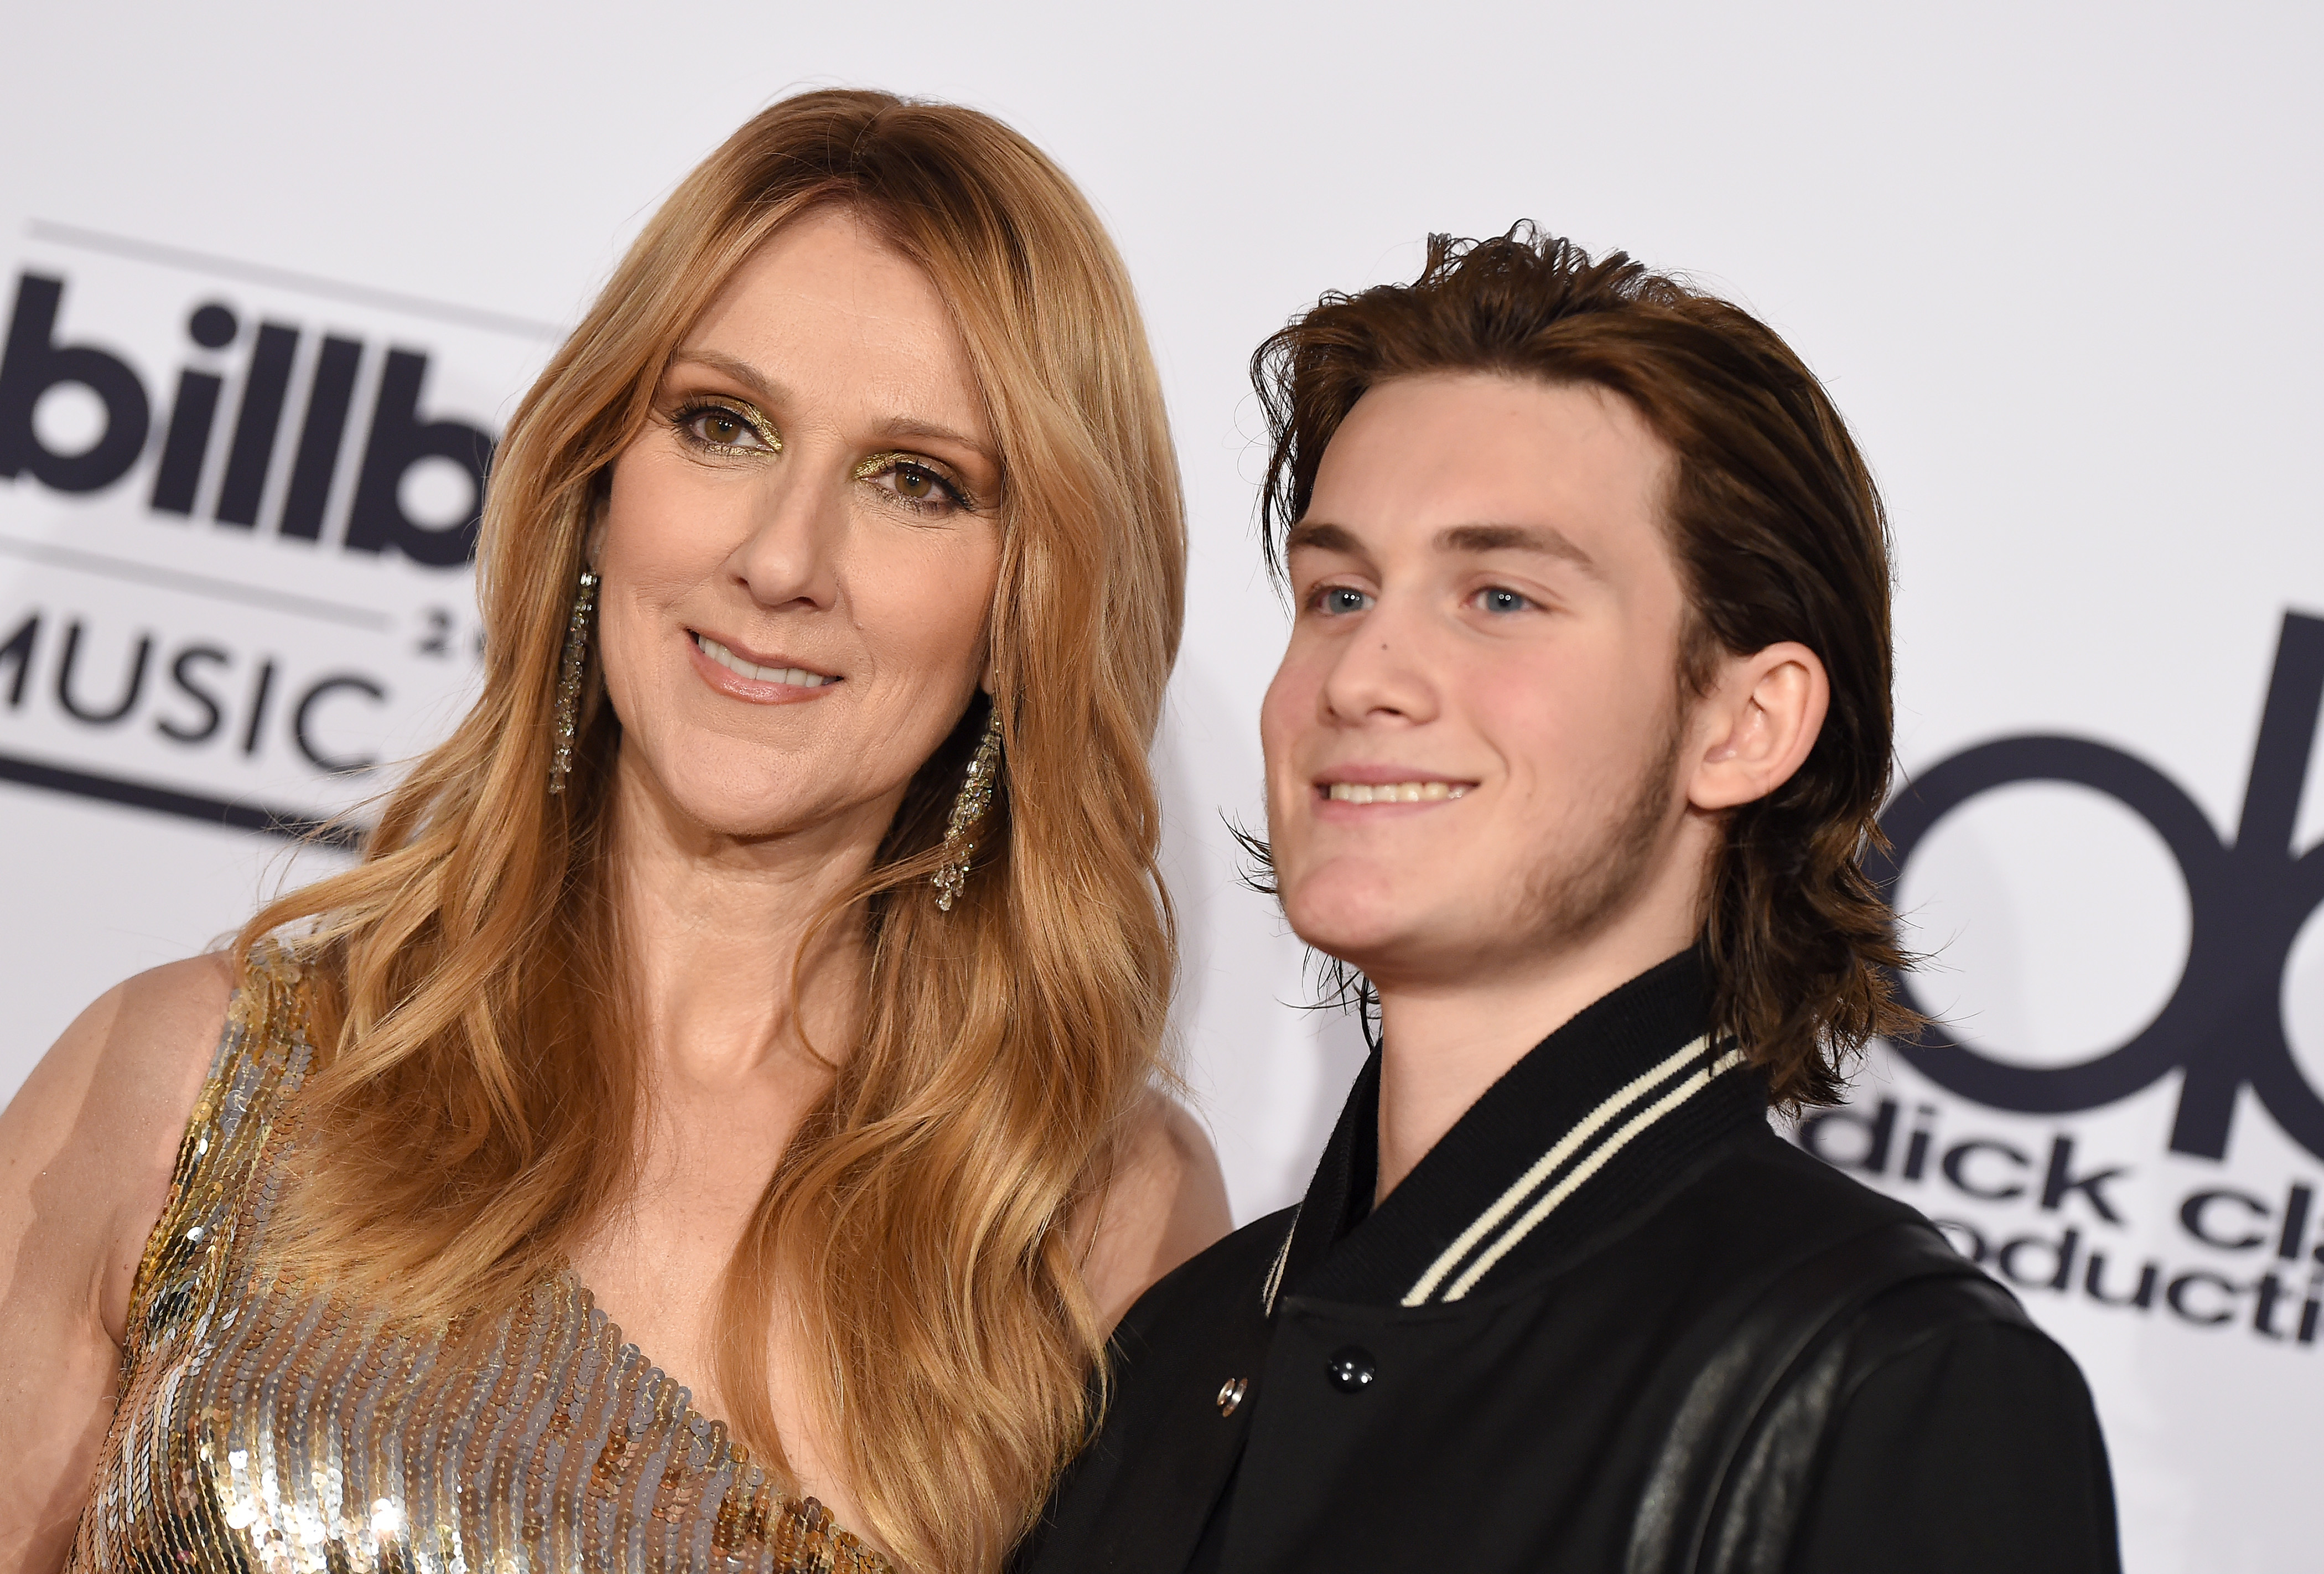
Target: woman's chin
{"x":753,"y":819}
{"x":727,"y":804}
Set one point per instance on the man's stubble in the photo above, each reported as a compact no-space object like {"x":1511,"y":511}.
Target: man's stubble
{"x":1573,"y":897}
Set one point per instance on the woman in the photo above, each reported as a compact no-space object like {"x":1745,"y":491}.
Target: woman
{"x":770,"y":970}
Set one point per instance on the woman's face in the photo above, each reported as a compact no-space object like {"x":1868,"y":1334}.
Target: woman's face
{"x":799,"y":550}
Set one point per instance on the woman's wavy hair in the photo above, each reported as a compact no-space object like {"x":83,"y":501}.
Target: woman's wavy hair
{"x":1778,"y":532}
{"x":476,"y":1097}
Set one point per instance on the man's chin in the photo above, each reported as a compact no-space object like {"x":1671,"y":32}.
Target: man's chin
{"x":1376,"y":938}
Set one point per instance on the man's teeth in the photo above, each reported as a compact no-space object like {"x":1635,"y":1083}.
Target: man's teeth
{"x":1397,"y":792}
{"x":798,"y":677}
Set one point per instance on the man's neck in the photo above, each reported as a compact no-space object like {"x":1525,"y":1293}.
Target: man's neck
{"x":1444,"y":1043}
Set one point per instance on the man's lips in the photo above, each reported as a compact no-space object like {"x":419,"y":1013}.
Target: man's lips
{"x":1389,"y":783}
{"x":752,"y":675}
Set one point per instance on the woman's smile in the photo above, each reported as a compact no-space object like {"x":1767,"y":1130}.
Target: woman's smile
{"x":774,"y":680}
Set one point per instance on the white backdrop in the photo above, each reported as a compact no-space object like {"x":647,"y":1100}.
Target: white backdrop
{"x":2055,"y":265}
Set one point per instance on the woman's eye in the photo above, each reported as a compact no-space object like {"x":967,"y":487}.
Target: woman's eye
{"x":918,"y":486}
{"x":1499,"y":599}
{"x":1336,"y":600}
{"x":718,"y":427}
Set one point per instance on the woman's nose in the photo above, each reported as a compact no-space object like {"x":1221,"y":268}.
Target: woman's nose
{"x":796,"y":529}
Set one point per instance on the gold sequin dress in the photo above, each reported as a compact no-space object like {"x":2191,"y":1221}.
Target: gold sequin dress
{"x":264,"y":1428}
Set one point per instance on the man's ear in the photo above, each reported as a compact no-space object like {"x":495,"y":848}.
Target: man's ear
{"x":1758,"y":724}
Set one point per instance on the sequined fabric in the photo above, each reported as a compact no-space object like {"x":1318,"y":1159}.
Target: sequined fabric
{"x":264,"y":1428}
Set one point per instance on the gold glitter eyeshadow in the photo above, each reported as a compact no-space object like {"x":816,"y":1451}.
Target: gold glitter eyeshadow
{"x":745,"y":414}
{"x":266,"y":1428}
{"x":876,"y":465}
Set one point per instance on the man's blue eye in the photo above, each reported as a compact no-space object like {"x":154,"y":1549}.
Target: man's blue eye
{"x":1504,"y":601}
{"x":1342,"y":599}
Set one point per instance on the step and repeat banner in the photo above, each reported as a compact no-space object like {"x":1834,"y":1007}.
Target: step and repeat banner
{"x":271,"y":282}
{"x":2144,"y":1172}
{"x":236,"y":536}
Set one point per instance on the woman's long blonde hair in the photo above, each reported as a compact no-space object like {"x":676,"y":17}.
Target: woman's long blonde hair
{"x":477,"y":1098}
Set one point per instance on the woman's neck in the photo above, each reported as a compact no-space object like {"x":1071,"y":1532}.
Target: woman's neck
{"x":712,"y":928}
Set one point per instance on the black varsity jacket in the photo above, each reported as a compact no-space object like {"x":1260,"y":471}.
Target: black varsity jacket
{"x":1492,"y":1370}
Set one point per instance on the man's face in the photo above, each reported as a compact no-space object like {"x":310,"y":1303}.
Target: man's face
{"x":1473,"y":744}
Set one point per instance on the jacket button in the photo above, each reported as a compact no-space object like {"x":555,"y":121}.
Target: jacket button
{"x":1353,"y":1370}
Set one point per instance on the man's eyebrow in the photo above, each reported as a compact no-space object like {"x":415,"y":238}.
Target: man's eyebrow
{"x":1321,"y":536}
{"x":1516,"y":538}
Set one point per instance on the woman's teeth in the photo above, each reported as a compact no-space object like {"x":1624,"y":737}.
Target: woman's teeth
{"x":798,"y":677}
{"x":1396,"y":792}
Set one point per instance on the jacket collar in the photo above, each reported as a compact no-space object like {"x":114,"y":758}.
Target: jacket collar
{"x":1593,"y":1123}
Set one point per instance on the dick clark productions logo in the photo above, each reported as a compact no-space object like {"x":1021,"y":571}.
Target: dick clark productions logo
{"x":2247,"y":898}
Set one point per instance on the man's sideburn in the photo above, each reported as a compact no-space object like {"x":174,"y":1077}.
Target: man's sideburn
{"x":1576,"y":897}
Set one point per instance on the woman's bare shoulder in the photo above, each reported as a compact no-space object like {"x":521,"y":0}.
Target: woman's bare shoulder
{"x":89,"y":1143}
{"x":86,"y":1148}
{"x":1167,"y":1201}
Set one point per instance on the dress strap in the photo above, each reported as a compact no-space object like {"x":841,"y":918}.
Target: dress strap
{"x":222,"y":1182}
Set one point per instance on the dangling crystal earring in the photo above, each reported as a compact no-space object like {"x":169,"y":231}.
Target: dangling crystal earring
{"x":975,"y":799}
{"x":569,"y":681}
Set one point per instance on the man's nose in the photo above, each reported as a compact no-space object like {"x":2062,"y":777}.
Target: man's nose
{"x":1383,"y":672}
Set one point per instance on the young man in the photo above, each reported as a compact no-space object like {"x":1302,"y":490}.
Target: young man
{"x":1580,"y":736}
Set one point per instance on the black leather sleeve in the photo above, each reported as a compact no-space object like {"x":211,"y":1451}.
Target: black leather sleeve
{"x":1973,"y":1447}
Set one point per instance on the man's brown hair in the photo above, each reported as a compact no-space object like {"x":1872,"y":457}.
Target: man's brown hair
{"x":1778,"y":533}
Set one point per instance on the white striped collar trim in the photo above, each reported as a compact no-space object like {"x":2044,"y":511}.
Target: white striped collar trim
{"x":1274,"y":1275}
{"x":1494,"y":1233}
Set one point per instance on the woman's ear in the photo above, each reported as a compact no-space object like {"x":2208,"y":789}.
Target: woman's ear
{"x":601,"y":498}
{"x":1758,"y":724}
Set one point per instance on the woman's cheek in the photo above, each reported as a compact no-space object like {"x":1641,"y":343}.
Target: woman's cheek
{"x":935,"y":610}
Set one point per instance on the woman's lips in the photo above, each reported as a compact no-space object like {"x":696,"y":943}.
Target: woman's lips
{"x":765,"y":672}
{"x":774,"y":681}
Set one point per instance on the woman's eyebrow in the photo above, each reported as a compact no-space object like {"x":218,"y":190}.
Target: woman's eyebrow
{"x":768,"y":390}
{"x":761,"y":386}
{"x":909,"y":427}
